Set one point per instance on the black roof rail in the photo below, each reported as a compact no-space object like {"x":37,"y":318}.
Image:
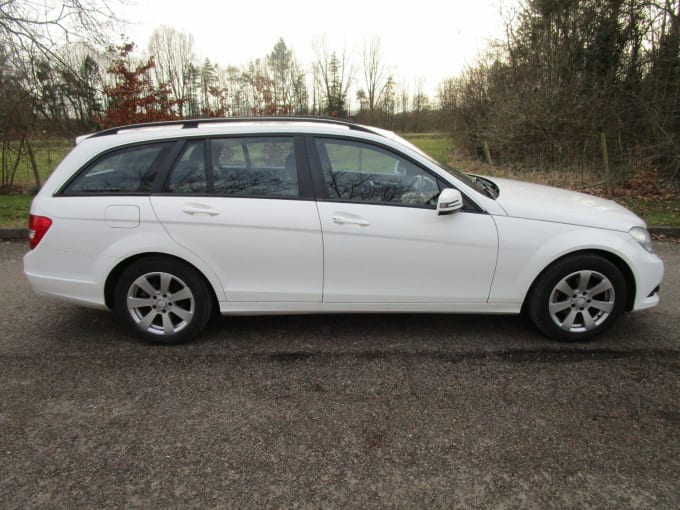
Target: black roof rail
{"x":193,"y":123}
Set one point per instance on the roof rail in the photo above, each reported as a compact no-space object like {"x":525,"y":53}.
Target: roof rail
{"x":193,"y":123}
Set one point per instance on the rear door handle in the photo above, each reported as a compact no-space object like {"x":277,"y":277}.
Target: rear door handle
{"x":350,"y":221}
{"x":199,"y":209}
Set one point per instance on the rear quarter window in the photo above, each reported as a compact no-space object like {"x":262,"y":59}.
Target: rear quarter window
{"x":126,"y":170}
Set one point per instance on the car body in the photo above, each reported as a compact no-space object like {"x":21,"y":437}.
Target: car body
{"x":300,"y":215}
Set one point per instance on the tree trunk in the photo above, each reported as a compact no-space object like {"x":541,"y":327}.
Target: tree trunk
{"x":605,"y":160}
{"x":34,"y":164}
{"x":487,"y":153}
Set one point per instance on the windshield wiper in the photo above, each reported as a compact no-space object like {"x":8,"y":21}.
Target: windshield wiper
{"x":487,"y":187}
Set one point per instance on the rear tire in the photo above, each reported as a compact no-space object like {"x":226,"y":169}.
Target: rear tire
{"x":577,"y":298}
{"x":164,"y":301}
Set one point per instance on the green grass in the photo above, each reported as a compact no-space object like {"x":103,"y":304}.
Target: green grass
{"x":437,"y":145}
{"x":14,"y":210}
{"x":48,"y":154}
{"x":350,"y":158}
{"x":659,"y":213}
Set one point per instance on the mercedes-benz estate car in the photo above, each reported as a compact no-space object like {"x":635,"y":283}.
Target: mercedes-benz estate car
{"x":166,"y":223}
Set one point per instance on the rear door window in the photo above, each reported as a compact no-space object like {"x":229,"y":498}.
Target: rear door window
{"x":259,"y":167}
{"x":189,"y":175}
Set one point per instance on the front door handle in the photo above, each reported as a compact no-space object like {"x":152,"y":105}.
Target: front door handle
{"x":199,"y":209}
{"x":350,"y":221}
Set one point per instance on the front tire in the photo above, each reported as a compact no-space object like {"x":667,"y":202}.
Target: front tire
{"x":577,"y":298}
{"x":163,"y":300}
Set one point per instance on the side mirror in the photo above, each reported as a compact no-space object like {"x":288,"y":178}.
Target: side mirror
{"x":449,"y":201}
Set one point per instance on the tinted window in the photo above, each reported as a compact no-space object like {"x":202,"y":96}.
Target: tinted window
{"x":128,"y":170}
{"x":189,"y":173}
{"x":254,"y":166}
{"x":355,"y":171}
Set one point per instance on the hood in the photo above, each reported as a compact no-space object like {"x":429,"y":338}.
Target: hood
{"x":545,"y":203}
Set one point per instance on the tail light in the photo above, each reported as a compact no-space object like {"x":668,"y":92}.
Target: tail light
{"x":37,"y":228}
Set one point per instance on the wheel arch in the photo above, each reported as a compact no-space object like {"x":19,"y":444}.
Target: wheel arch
{"x":117,"y":271}
{"x":620,"y":264}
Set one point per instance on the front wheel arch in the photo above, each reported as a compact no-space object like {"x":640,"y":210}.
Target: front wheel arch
{"x":577,"y":297}
{"x":631,"y":287}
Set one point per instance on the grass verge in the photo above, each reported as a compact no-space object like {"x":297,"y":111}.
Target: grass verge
{"x":14,"y":210}
{"x":437,"y":145}
{"x":659,"y":213}
{"x":48,"y":154}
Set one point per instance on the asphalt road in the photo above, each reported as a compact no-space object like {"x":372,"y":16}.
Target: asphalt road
{"x":349,"y":411}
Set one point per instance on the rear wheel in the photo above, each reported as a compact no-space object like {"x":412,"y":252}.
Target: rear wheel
{"x":164,"y":301}
{"x":577,"y":298}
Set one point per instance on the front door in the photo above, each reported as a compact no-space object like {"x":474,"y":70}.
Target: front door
{"x":383,"y":240}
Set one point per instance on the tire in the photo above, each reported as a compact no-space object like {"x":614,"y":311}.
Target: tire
{"x":162,"y":300}
{"x":577,"y":298}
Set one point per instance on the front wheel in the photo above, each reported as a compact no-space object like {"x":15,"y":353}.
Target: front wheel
{"x":164,"y":301}
{"x":577,"y":298}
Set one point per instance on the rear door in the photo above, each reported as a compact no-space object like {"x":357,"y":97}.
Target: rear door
{"x":245,"y":206}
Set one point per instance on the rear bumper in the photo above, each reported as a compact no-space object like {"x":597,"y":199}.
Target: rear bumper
{"x":78,"y":291}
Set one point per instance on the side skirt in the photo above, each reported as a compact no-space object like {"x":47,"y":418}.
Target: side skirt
{"x":288,"y":308}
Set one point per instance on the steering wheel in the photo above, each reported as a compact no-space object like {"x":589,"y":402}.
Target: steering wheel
{"x":421,"y":183}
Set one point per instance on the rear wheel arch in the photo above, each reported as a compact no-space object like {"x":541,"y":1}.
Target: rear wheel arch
{"x":119,"y":269}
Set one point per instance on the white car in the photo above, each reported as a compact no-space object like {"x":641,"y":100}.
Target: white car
{"x":165,"y":223}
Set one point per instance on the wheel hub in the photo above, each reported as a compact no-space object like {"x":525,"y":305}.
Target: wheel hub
{"x":580,"y":302}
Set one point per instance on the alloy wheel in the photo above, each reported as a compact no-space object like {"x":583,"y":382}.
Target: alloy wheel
{"x":581,"y":301}
{"x":160,"y":303}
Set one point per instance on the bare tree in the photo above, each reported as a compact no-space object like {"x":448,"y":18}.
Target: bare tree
{"x":173,"y":52}
{"x":374,"y":72}
{"x":289,"y":85}
{"x":389,"y":101}
{"x":39,"y":28}
{"x":279,"y":62}
{"x":31,"y":34}
{"x":300,"y":94}
{"x":335,"y":74}
{"x":585,"y":84}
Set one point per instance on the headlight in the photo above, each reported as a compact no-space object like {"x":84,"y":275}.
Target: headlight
{"x":642,"y":236}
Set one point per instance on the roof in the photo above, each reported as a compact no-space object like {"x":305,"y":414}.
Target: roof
{"x":196,"y":123}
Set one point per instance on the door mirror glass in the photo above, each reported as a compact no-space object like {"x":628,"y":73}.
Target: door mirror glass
{"x":449,"y":201}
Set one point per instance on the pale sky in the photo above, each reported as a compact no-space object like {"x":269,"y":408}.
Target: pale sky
{"x":421,"y":40}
